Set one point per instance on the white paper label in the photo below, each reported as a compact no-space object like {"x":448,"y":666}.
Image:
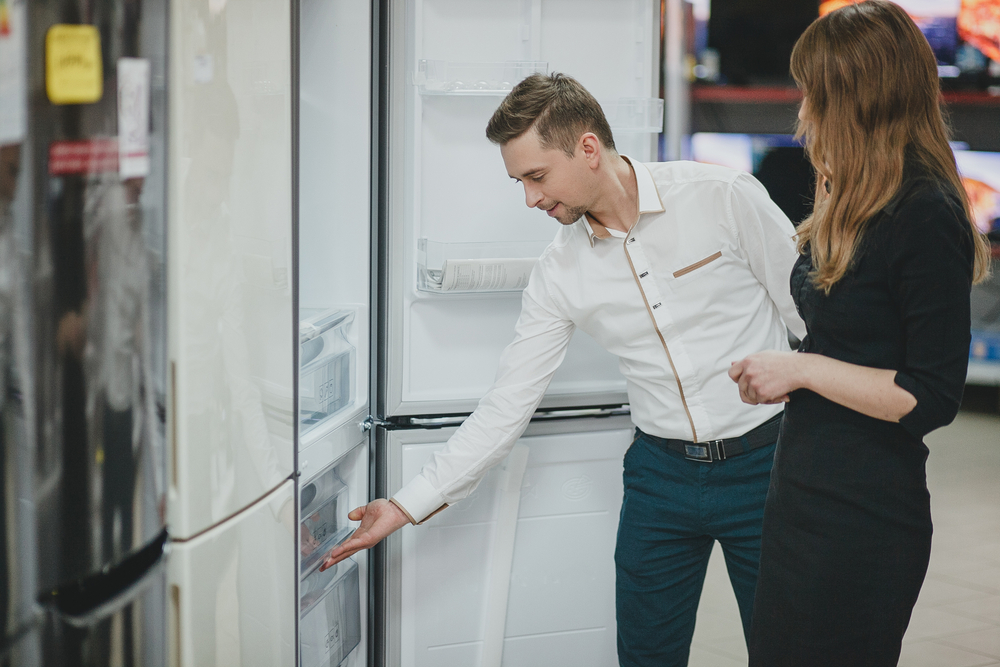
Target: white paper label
{"x":133,"y":117}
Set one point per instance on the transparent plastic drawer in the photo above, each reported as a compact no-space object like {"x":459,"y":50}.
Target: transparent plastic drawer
{"x":441,"y":77}
{"x":324,"y":523}
{"x":459,"y":268}
{"x":330,"y":608}
{"x":327,"y":365}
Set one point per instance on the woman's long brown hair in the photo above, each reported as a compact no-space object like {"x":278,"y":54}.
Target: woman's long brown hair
{"x":871,"y":89}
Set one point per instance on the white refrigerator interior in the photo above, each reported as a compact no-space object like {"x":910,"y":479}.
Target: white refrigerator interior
{"x":527,"y":559}
{"x":334,"y":228}
{"x":461,"y":239}
{"x":230,"y":284}
{"x":232,"y":589}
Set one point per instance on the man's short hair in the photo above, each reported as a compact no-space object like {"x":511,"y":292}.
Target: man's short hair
{"x":557,"y":106}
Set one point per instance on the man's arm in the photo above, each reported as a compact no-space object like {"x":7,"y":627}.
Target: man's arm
{"x":526,"y":367}
{"x":766,"y":236}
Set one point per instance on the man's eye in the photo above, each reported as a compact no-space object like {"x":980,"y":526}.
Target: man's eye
{"x":537,"y":179}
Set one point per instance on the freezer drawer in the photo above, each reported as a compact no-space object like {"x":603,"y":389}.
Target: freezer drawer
{"x":330,"y":624}
{"x":332,"y":604}
{"x":232,"y":589}
{"x":324,"y":521}
{"x":560,"y":605}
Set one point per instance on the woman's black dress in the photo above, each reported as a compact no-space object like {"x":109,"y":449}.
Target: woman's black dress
{"x":847,"y":525}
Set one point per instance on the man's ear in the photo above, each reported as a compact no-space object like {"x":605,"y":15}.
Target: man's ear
{"x":590,"y":146}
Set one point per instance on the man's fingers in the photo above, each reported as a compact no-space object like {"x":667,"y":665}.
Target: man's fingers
{"x":356,"y":514}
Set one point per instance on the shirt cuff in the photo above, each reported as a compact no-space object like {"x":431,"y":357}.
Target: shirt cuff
{"x":419,"y":500}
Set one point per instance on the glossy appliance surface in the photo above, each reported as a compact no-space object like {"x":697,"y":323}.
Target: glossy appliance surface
{"x":232,"y":589}
{"x":230,"y":319}
{"x":97,"y":174}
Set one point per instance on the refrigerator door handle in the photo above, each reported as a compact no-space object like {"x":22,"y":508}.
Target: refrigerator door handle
{"x":456,"y":420}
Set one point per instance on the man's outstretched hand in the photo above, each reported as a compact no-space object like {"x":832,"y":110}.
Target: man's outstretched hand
{"x":379,"y":519}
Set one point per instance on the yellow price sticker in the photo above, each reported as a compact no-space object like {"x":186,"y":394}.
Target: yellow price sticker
{"x":73,"y":70}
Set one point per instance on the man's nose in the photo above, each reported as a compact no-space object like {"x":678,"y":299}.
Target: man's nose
{"x":532,"y":196}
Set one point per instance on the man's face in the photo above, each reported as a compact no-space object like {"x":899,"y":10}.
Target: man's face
{"x":553,"y":182}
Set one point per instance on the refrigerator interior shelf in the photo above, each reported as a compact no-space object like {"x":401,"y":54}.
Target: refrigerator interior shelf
{"x":461,"y":268}
{"x":441,"y":77}
{"x":634,"y":114}
{"x":327,"y":364}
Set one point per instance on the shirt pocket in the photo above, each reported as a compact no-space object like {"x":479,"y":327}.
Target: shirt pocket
{"x":694,"y":270}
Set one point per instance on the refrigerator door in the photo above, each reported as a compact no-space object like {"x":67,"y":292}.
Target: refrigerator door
{"x":230,"y":317}
{"x":127,"y":629}
{"x":231,"y":589}
{"x":460,"y":239}
{"x":95,"y":166}
{"x":334,"y":224}
{"x":549,"y":531}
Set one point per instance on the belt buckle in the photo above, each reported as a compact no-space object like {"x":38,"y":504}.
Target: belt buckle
{"x":705,"y":452}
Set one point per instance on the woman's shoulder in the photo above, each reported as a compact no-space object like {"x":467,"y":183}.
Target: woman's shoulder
{"x":924,"y":207}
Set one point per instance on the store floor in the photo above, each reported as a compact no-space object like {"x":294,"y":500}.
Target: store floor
{"x":956,"y":622}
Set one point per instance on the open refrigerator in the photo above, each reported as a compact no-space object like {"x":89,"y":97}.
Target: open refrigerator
{"x":413,"y":248}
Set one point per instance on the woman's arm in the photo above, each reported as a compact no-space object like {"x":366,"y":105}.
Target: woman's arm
{"x":768,"y":377}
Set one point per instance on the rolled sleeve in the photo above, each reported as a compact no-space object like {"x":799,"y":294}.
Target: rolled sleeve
{"x":931,"y":276}
{"x":526,"y":367}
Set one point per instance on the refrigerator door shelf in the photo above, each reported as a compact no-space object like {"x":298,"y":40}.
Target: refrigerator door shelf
{"x":331,"y":615}
{"x":440,"y":77}
{"x":461,"y":268}
{"x":634,"y":114}
{"x":327,"y":365}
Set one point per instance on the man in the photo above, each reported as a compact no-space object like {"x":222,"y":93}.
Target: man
{"x":678,"y":269}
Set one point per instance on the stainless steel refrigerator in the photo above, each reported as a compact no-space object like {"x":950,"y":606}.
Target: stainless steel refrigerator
{"x":413,"y":244}
{"x":83,"y":366}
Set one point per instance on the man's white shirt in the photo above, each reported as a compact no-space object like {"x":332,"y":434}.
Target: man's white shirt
{"x":700,"y":281}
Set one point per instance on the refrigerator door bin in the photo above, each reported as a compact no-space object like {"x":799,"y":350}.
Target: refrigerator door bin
{"x":324,"y":517}
{"x":327,"y":362}
{"x":330,"y":624}
{"x":460,"y":268}
{"x":634,"y":114}
{"x":440,"y":77}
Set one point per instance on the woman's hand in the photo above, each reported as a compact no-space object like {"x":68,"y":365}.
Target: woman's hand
{"x":379,"y":519}
{"x":768,"y":377}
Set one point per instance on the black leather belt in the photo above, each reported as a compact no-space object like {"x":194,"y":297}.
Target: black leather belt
{"x":720,"y":450}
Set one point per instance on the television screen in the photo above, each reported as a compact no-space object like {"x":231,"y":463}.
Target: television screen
{"x":750,"y":41}
{"x":964,"y":34}
{"x":980,"y":173}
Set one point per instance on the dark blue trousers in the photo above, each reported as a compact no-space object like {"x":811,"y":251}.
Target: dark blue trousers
{"x":672,"y":513}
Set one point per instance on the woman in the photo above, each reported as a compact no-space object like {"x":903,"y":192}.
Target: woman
{"x":888,"y":257}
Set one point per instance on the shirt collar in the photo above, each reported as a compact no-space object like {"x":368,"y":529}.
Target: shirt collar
{"x":649,"y":202}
